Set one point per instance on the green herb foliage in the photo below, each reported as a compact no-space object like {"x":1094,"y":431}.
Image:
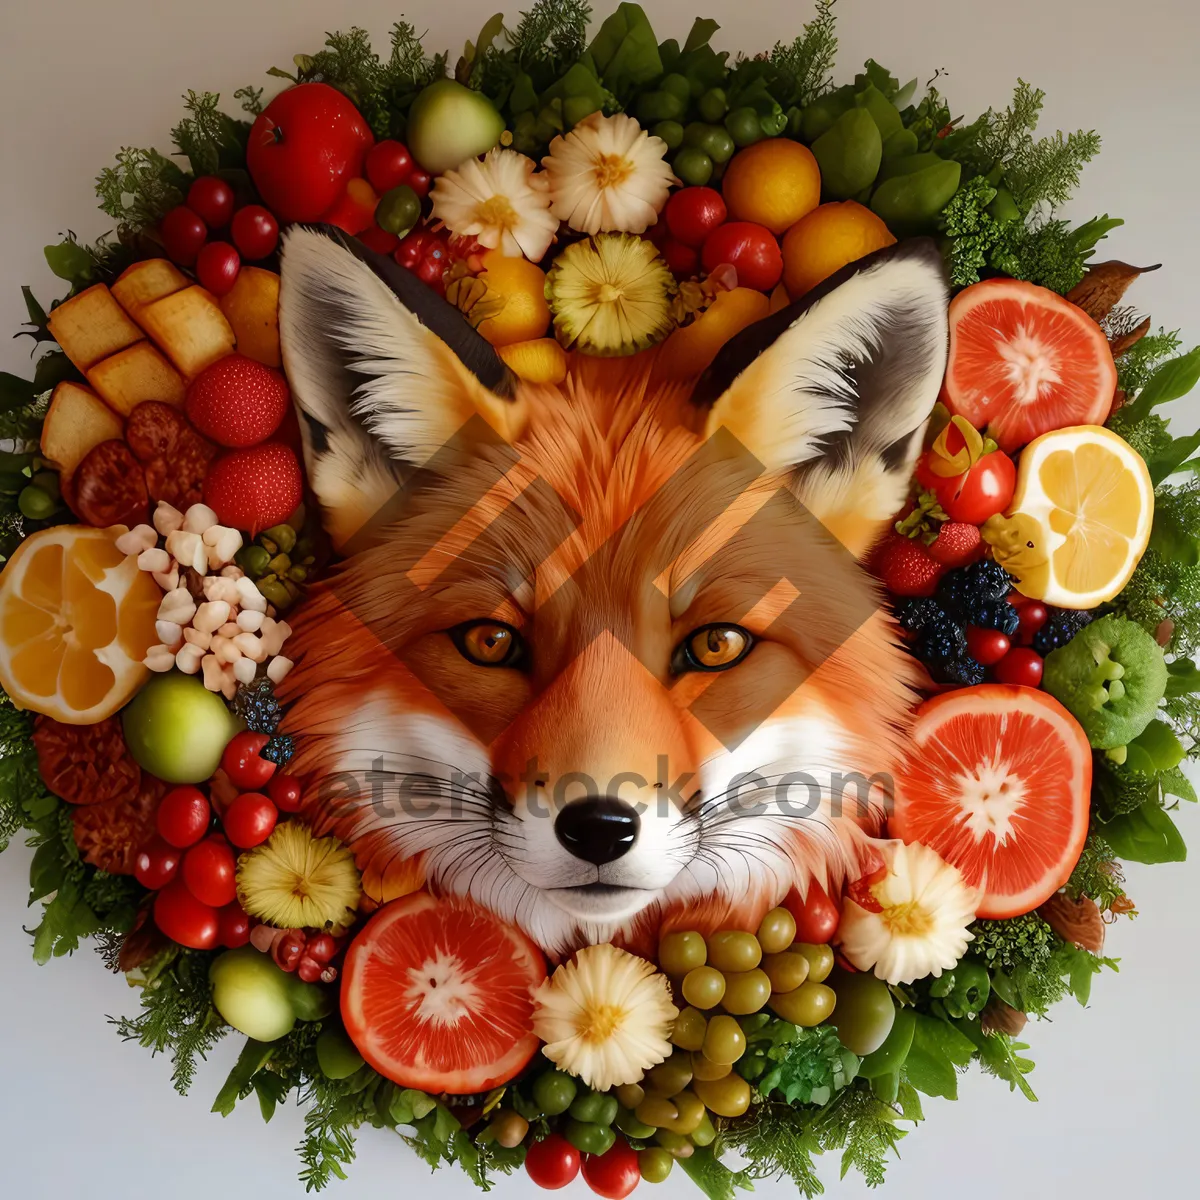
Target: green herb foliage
{"x":140,"y":189}
{"x":805,"y":64}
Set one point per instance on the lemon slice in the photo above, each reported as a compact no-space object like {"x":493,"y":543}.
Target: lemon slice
{"x":1079,"y":520}
{"x":76,"y":620}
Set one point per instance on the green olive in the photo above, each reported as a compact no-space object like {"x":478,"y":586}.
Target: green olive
{"x":398,"y":210}
{"x":746,"y":991}
{"x":628,"y":1123}
{"x":670,"y":1077}
{"x":820,"y":960}
{"x":655,"y":1163}
{"x":724,"y":1042}
{"x":679,"y":953}
{"x":732,"y":950}
{"x":810,"y":1004}
{"x":657,"y":1111}
{"x":703,"y":1068}
{"x":689,"y":1029}
{"x":728,"y":1097}
{"x":675,"y":1144}
{"x":589,"y":1138}
{"x":691,"y":1113}
{"x":865,"y":1011}
{"x":703,"y":987}
{"x":705,"y":1133}
{"x":714,"y":140}
{"x":786,"y":971}
{"x":554,"y":1092}
{"x":744,"y":126}
{"x":671,"y":132}
{"x":693,"y":166}
{"x":35,"y":503}
{"x":629,"y":1095}
{"x":776,"y":931}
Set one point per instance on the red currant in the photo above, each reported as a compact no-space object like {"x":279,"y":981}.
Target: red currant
{"x":388,"y":165}
{"x":322,"y":947}
{"x":285,"y":790}
{"x":182,"y":233}
{"x":217,"y":267}
{"x":1033,"y":617}
{"x":288,"y":949}
{"x":183,"y":816}
{"x":209,"y":870}
{"x":1021,"y":666}
{"x":250,"y":819}
{"x":242,"y":761}
{"x":986,"y":646}
{"x":211,"y":199}
{"x":233,"y":926}
{"x":255,"y":231}
{"x":309,"y":969}
{"x":419,"y":181}
{"x":156,"y":864}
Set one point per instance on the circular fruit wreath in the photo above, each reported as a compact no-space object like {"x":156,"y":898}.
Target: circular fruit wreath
{"x":576,"y":199}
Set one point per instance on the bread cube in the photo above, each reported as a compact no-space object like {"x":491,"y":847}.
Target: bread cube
{"x":145,"y":282}
{"x":139,"y":373}
{"x":91,"y":326}
{"x":76,"y":420}
{"x":189,"y":328}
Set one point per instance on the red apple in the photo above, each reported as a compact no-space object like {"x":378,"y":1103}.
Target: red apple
{"x":303,"y":148}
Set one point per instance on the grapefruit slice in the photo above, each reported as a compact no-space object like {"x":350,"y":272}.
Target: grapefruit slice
{"x":1024,"y":361}
{"x":438,"y":995}
{"x":998,"y":782}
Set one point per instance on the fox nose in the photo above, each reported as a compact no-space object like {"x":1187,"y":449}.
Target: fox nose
{"x":598,"y":829}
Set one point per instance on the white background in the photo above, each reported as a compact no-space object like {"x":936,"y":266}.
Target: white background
{"x":81,"y":1113}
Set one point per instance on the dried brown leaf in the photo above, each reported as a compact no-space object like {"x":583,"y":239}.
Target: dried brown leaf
{"x":1104,"y":285}
{"x":1120,"y":344}
{"x":1000,"y":1017}
{"x":1076,"y":921}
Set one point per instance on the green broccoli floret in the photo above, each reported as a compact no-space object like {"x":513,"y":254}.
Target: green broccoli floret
{"x":1111,"y":676}
{"x":1016,"y":942}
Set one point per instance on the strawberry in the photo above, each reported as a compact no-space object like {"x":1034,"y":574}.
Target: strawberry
{"x":237,"y":401}
{"x":256,"y":488}
{"x":956,"y":544}
{"x":905,"y":567}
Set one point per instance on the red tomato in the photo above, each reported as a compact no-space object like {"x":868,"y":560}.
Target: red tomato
{"x":1033,"y":616}
{"x":816,"y":915}
{"x":242,"y":760}
{"x":183,"y":816}
{"x":426,"y":254}
{"x":684,"y":261}
{"x":552,"y":1163}
{"x":388,"y":165}
{"x":751,"y":249}
{"x":285,"y":791}
{"x":255,"y":232}
{"x":613,"y":1174}
{"x":979,"y":492}
{"x":693,"y":213}
{"x":303,"y":147}
{"x":379,"y":240}
{"x":217,"y":267}
{"x":986,"y":646}
{"x":420,"y":181}
{"x":209,"y":870}
{"x":233,"y":926}
{"x":156,"y":864}
{"x":184,"y":919}
{"x":182,"y":233}
{"x":1021,"y":666}
{"x":249,"y":820}
{"x":211,"y":199}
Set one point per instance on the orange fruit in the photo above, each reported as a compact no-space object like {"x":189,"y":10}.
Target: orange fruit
{"x":438,"y":995}
{"x":826,"y":240}
{"x":521,"y":286}
{"x":772,"y":183}
{"x":690,"y":349}
{"x":998,"y":782}
{"x":76,"y":620}
{"x":541,"y":360}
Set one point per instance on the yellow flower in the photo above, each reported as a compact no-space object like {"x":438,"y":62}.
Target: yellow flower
{"x":606,"y":1017}
{"x":608,"y":173}
{"x":920,"y":927}
{"x":500,"y":202}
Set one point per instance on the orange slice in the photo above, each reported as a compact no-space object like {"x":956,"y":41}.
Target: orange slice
{"x":76,"y":620}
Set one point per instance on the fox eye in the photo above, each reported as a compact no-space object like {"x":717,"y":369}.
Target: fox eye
{"x":712,"y":648}
{"x":488,"y":643}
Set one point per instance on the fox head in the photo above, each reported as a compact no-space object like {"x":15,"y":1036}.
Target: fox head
{"x":602,"y":655}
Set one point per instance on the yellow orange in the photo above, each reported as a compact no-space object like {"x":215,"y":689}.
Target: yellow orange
{"x":773,"y":183}
{"x":540,"y":360}
{"x":521,"y":285}
{"x":689,"y":350}
{"x":76,"y":620}
{"x":826,"y":240}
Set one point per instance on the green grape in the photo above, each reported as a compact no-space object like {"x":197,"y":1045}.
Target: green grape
{"x":693,"y":166}
{"x":732,"y":950}
{"x":669,"y":1077}
{"x":820,"y":960}
{"x":746,"y":991}
{"x":810,"y":1004}
{"x":728,"y":1097}
{"x":777,"y":931}
{"x":657,"y":1111}
{"x":703,"y":987}
{"x":786,"y":971}
{"x":689,"y":1029}
{"x":655,"y":1163}
{"x":704,"y":1068}
{"x":589,"y":1138}
{"x":675,"y":1144}
{"x":691,"y":1113}
{"x":554,"y":1092}
{"x":596,"y":1108}
{"x":865,"y":1011}
{"x":705,"y":1133}
{"x":628,"y":1123}
{"x":679,"y":953}
{"x":724,"y":1042}
{"x":629,"y":1095}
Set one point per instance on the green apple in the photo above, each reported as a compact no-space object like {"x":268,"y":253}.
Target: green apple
{"x":176,"y":728}
{"x":253,"y":994}
{"x":449,"y":123}
{"x":864,"y":1012}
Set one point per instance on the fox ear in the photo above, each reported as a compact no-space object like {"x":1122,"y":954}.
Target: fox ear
{"x":839,"y":386}
{"x":384,"y":373}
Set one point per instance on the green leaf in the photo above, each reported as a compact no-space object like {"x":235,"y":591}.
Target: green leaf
{"x":1173,"y":457}
{"x":1174,"y":540}
{"x":271,"y":1090}
{"x":15,"y":392}
{"x":1183,"y":678}
{"x":700,"y":34}
{"x":47,"y":870}
{"x":625,"y":51}
{"x":711,"y":1176}
{"x":71,"y":261}
{"x":254,"y":1056}
{"x":1159,"y":743}
{"x":1173,"y":379}
{"x":1175,"y":783}
{"x":1145,"y":835}
{"x":937,"y":1049}
{"x":37,"y":314}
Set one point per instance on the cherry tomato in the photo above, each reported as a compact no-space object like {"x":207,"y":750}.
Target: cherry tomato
{"x":986,"y":646}
{"x":816,"y":915}
{"x":184,"y":919}
{"x":156,"y":864}
{"x":751,"y":249}
{"x":233,"y":926}
{"x":242,"y":760}
{"x":980,"y":492}
{"x":217,"y":267}
{"x":209,"y":870}
{"x":1021,"y":666}
{"x":183,"y":233}
{"x":426,"y":254}
{"x":255,"y":231}
{"x":613,"y":1174}
{"x":693,"y":213}
{"x":684,"y":261}
{"x":211,"y":199}
{"x":419,"y":181}
{"x":249,"y":820}
{"x":183,"y":816}
{"x":284,"y":789}
{"x":1033,"y":616}
{"x":379,"y":240}
{"x":321,"y":947}
{"x":552,"y":1163}
{"x":388,"y":165}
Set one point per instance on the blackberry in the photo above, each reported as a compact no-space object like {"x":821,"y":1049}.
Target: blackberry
{"x":255,"y":703}
{"x":964,"y":671}
{"x":940,"y":641}
{"x":915,"y":613}
{"x":960,"y":590}
{"x":994,"y":614}
{"x":1061,"y":626}
{"x":279,"y":749}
